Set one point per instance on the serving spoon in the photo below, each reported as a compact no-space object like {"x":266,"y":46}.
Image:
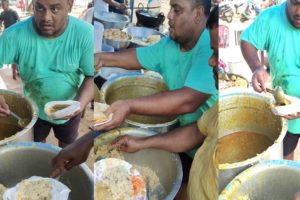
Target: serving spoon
{"x":21,"y":122}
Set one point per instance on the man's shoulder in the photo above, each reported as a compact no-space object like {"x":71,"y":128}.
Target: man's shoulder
{"x":272,"y":12}
{"x":80,"y":24}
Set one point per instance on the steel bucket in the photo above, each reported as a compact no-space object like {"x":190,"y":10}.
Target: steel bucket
{"x":167,"y":165}
{"x":19,"y":161}
{"x":130,"y":86}
{"x":268,"y":180}
{"x":23,"y":107}
{"x":244,"y":110}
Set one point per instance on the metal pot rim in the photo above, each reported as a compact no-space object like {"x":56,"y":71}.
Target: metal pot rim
{"x":122,"y":76}
{"x":258,"y":157}
{"x":145,"y":126}
{"x":34,"y":109}
{"x":44,"y":147}
{"x":243,"y":176}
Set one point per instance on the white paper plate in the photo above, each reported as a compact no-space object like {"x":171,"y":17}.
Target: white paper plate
{"x":72,"y":107}
{"x":108,"y":163}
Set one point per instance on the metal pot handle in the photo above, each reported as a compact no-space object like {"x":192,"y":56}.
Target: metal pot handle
{"x":141,"y":6}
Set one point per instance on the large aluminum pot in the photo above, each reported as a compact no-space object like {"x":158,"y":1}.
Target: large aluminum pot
{"x":268,"y":180}
{"x":23,"y":160}
{"x":244,"y":110}
{"x":111,"y":19}
{"x":129,"y":86}
{"x":23,"y":107}
{"x":166,"y":165}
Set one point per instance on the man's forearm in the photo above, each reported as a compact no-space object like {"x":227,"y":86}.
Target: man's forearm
{"x":179,"y":140}
{"x":86,"y":91}
{"x":175,"y":102}
{"x":126,"y":59}
{"x":250,"y":55}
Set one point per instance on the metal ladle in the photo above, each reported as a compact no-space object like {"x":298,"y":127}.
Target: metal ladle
{"x":21,"y":122}
{"x":279,"y":96}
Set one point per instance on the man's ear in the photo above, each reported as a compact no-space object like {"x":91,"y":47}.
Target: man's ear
{"x":199,"y":14}
{"x":70,"y":3}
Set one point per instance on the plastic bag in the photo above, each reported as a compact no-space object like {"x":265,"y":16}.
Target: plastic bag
{"x":59,"y":190}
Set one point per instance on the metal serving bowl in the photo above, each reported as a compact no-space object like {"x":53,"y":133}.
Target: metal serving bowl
{"x":141,"y":32}
{"x":111,"y":19}
{"x":268,"y":180}
{"x":116,"y":44}
{"x":166,"y":165}
{"x":22,"y":160}
{"x":23,"y":107}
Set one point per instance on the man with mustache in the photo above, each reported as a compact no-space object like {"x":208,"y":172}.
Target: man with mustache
{"x":54,"y":52}
{"x":178,"y":140}
{"x":277,"y":30}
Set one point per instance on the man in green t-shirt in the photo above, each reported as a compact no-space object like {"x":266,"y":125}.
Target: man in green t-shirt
{"x":182,"y":60}
{"x":277,"y":30}
{"x":178,"y":140}
{"x":54,"y":52}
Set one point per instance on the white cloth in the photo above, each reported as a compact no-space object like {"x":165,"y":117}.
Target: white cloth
{"x":98,"y":36}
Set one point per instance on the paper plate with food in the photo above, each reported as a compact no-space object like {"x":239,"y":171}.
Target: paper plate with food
{"x":61,"y":109}
{"x":99,"y":115}
{"x":36,"y":188}
{"x":117,"y":179}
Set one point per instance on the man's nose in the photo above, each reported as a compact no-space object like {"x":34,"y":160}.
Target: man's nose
{"x":47,"y":15}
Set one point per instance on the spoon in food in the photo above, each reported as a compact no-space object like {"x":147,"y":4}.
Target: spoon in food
{"x":21,"y":122}
{"x":279,"y":96}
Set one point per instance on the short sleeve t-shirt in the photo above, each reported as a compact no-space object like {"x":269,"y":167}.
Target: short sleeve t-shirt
{"x":50,"y":69}
{"x":180,"y":69}
{"x":9,"y":17}
{"x":273,"y":32}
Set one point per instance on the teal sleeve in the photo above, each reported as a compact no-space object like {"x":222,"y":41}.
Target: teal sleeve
{"x":87,"y":58}
{"x":200,"y":76}
{"x":7,"y":49}
{"x":258,"y":32}
{"x":151,"y":57}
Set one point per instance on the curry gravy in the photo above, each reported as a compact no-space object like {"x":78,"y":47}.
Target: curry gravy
{"x":7,"y":130}
{"x":240,"y":146}
{"x":57,"y":107}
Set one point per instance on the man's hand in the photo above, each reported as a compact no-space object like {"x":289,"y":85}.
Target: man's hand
{"x":128,"y":144}
{"x":297,"y":196}
{"x":259,"y":78}
{"x":72,"y":155}
{"x":4,"y":109}
{"x":121,"y":6}
{"x":290,"y":117}
{"x":97,"y":61}
{"x":120,"y":110}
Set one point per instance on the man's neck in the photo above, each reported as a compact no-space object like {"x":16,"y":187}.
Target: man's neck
{"x":191,"y":43}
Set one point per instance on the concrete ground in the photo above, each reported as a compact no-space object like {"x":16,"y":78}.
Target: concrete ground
{"x":233,"y":58}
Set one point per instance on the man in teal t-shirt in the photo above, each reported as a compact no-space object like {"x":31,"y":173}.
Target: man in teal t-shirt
{"x":182,"y":60}
{"x":277,"y":30}
{"x":54,"y":52}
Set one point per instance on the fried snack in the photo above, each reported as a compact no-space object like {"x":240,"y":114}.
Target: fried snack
{"x":153,"y":39}
{"x":116,"y":34}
